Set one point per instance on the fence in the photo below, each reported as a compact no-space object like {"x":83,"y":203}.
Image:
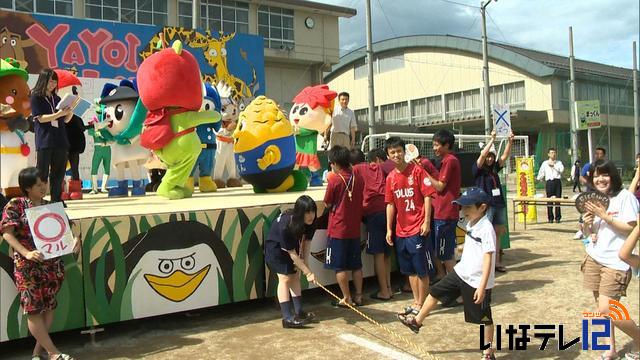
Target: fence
{"x":464,"y":143}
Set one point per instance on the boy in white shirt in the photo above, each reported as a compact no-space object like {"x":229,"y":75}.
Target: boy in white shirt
{"x":473,"y":277}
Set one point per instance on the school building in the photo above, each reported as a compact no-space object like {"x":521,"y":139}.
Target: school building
{"x":427,"y":82}
{"x":300,"y":37}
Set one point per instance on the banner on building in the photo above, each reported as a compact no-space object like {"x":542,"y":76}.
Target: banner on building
{"x":588,"y":114}
{"x":525,"y":187}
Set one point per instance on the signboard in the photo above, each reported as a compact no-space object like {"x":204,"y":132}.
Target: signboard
{"x":50,"y":229}
{"x":588,"y":114}
{"x":501,"y":119}
{"x":525,"y":186}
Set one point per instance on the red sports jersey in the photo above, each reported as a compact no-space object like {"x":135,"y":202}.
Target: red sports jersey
{"x":374,"y":183}
{"x":346,"y":214}
{"x":449,"y":173}
{"x":407,"y":190}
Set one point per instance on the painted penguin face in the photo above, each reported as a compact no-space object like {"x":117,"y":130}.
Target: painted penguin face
{"x":207,"y":105}
{"x":72,"y":89}
{"x":177,"y":274}
{"x":117,"y":115}
{"x":303,"y":116}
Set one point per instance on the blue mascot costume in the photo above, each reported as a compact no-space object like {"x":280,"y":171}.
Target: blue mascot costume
{"x":207,"y":135}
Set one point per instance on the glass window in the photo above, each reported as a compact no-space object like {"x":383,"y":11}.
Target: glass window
{"x":434,"y":106}
{"x":93,"y":12}
{"x":6,"y":4}
{"x":145,"y":5}
{"x":45,"y":6}
{"x":397,"y":113}
{"x":109,"y":13}
{"x":127,"y":15}
{"x":56,"y":7}
{"x":128,"y":11}
{"x":215,"y":15}
{"x":280,"y":24}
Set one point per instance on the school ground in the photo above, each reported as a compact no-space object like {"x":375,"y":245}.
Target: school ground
{"x":543,"y":286}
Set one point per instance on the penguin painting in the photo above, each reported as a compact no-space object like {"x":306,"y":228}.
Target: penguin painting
{"x":175,"y":266}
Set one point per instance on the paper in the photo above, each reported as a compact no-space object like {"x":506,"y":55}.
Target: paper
{"x":68,"y":101}
{"x":81,"y":107}
{"x":495,"y":192}
{"x":54,"y":123}
{"x":501,"y":119}
{"x":50,"y":230}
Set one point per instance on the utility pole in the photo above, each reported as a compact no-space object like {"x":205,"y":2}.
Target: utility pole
{"x":372,"y":112}
{"x":195,"y":14}
{"x":636,"y":121}
{"x":572,"y":105}
{"x":485,"y":70}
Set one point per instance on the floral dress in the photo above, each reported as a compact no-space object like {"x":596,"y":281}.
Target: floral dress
{"x":37,"y":283}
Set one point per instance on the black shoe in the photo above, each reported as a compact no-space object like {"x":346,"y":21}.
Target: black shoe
{"x":557,"y":221}
{"x":306,"y":317}
{"x":292,"y":324}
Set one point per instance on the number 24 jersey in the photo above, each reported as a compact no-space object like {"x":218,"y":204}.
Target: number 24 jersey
{"x":407,"y":190}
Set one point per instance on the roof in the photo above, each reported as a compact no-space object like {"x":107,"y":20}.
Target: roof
{"x":312,"y":5}
{"x":533,"y":62}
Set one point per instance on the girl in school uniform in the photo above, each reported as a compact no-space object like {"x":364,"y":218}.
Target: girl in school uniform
{"x":288,"y":239}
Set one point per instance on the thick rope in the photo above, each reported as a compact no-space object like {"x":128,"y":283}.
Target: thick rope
{"x":423,"y":353}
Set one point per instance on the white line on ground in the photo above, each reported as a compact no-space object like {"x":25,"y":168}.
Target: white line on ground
{"x":383,"y":350}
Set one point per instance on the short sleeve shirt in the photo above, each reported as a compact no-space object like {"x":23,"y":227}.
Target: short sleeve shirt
{"x":406,"y":190}
{"x":346,"y":213}
{"x":343,"y":120}
{"x":47,"y":135}
{"x":622,"y":207}
{"x":479,"y":240}
{"x":279,"y":238}
{"x":585,"y":169}
{"x":487,"y":179}
{"x":374,"y":183}
{"x":450,"y":173}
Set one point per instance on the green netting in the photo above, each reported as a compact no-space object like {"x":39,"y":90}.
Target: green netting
{"x":561,"y":140}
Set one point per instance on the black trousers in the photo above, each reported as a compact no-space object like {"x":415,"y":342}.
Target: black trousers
{"x":74,"y":161}
{"x":554,"y":188}
{"x":576,"y":183}
{"x":52,"y":162}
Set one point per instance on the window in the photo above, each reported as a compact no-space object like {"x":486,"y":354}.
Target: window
{"x":472,"y":101}
{"x":419,"y":111}
{"x":55,"y":7}
{"x":362,"y":117}
{"x":397,"y":113}
{"x":454,"y":103}
{"x":390,"y":62}
{"x":152,"y":12}
{"x":216,"y":15}
{"x":434,"y":107}
{"x":275,"y":25}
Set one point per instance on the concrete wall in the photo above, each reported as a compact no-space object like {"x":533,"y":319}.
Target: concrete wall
{"x":284,"y":81}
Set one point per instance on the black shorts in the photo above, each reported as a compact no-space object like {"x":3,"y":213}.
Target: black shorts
{"x":281,"y":266}
{"x":451,"y":286}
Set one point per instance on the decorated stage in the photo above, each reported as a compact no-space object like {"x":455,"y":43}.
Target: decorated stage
{"x":149,"y":256}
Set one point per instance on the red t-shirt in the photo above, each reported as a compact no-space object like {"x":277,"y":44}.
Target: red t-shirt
{"x":444,"y":209}
{"x":374,"y":183}
{"x":346,"y":215}
{"x":431,"y":169}
{"x":407,"y":190}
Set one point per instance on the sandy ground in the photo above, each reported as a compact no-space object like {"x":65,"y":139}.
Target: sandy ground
{"x":543,"y":286}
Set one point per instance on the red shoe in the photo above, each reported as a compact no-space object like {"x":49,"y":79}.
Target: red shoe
{"x":75,"y":189}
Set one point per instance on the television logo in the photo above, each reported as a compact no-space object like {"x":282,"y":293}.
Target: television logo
{"x":617,"y":312}
{"x":519,"y":336}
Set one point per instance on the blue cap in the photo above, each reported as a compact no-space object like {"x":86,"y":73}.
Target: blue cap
{"x":472,"y":196}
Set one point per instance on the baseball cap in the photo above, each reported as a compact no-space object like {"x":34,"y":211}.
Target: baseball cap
{"x":472,"y":196}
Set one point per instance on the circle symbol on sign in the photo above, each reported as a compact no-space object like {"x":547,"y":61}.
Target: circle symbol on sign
{"x":55,"y":217}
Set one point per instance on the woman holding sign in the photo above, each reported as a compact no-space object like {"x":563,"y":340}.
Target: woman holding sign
{"x":610,"y":216}
{"x":52,"y":145}
{"x":38,"y":280}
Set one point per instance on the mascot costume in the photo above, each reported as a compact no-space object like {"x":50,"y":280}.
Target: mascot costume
{"x":101,"y":146}
{"x":265,"y":148}
{"x":123,"y":115}
{"x":15,"y":107}
{"x":68,"y":83}
{"x":225,"y":161}
{"x":171,"y":89}
{"x":207,"y":135}
{"x":310,"y":116}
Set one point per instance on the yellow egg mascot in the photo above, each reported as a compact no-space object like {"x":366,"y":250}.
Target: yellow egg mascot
{"x":265,"y":148}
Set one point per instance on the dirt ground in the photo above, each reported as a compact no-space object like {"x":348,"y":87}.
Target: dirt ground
{"x":543,"y":286}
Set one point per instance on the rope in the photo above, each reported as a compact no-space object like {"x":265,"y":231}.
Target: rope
{"x":423,"y":353}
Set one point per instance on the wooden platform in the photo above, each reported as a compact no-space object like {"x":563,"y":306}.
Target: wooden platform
{"x":100,"y":205}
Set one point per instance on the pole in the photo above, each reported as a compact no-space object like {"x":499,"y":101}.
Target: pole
{"x":195,"y":14}
{"x":636,"y":121}
{"x":372,"y":111}
{"x":572,"y":105}
{"x":485,"y":70}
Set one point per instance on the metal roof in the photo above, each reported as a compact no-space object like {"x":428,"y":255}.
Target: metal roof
{"x":312,"y":5}
{"x":535,"y":63}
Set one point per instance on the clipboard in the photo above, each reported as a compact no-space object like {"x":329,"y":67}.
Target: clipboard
{"x":69,"y":100}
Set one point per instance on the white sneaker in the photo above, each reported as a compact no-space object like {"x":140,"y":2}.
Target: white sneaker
{"x":578,"y":235}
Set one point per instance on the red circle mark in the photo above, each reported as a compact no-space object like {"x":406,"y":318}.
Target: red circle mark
{"x":54,"y":216}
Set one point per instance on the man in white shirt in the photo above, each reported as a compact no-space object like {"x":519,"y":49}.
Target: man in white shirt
{"x":551,"y":172}
{"x":343,"y":124}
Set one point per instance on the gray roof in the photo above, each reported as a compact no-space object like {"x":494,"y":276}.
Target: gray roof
{"x":536,"y":63}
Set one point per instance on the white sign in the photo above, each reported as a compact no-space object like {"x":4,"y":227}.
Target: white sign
{"x":501,"y":119}
{"x":50,"y":230}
